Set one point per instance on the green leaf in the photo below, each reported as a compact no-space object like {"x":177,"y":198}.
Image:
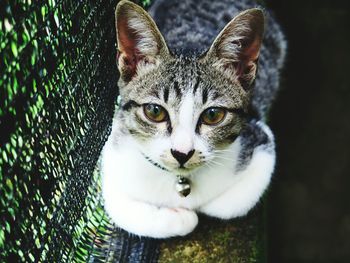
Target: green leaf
{"x":14,"y":49}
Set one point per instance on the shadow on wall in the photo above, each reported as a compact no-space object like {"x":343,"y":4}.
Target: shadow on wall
{"x":309,"y":215}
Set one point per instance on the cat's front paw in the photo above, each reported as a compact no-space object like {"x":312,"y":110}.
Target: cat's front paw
{"x":178,"y":221}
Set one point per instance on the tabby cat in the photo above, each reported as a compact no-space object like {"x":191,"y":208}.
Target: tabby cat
{"x":189,"y":134}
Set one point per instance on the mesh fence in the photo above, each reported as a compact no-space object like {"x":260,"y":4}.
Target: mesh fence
{"x":57,"y":91}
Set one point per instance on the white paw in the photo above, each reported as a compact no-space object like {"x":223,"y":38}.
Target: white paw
{"x":176,"y":222}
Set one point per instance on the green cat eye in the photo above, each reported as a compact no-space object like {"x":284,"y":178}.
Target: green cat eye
{"x":154,"y":112}
{"x":213,"y":116}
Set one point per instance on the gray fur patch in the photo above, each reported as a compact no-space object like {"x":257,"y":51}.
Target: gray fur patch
{"x":251,"y":137}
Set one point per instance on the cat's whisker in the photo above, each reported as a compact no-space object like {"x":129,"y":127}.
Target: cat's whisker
{"x":207,"y":165}
{"x":216,"y":163}
{"x":223,"y":151}
{"x":222,"y":157}
{"x":210,"y":165}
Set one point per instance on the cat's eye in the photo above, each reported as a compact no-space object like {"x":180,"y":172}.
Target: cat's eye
{"x":213,"y":116}
{"x":155,"y":113}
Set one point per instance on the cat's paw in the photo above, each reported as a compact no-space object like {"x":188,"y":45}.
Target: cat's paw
{"x":175,"y":222}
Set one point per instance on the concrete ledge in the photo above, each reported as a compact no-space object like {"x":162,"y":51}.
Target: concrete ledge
{"x":238,"y":240}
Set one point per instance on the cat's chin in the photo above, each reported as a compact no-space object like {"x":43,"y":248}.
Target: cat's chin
{"x":185,"y":171}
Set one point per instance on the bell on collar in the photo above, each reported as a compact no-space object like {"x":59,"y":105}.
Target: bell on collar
{"x":183,"y":186}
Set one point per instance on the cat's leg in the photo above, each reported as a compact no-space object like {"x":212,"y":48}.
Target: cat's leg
{"x":254,"y":177}
{"x":148,"y":220}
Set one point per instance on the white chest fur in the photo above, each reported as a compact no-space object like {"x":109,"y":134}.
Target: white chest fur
{"x":125,"y":169}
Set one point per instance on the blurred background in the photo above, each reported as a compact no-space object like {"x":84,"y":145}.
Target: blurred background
{"x":309,"y":213}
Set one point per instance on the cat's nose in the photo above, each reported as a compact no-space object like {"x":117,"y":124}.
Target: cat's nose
{"x":181,"y":157}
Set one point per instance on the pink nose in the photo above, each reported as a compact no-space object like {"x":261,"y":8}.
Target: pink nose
{"x":181,"y":157}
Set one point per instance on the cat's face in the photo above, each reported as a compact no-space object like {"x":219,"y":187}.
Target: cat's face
{"x":183,"y":106}
{"x":182,"y":111}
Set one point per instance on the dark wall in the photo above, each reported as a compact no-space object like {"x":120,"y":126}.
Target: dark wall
{"x":309,"y":201}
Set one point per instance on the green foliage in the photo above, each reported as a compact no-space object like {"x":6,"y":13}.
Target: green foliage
{"x":57,"y":90}
{"x":146,"y":3}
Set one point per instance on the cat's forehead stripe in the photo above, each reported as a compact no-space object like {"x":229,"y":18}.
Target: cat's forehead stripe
{"x":177,"y":89}
{"x":204,"y":95}
{"x":198,"y":79}
{"x":166,"y":94}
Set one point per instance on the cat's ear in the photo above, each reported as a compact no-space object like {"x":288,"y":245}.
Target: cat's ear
{"x":236,"y":49}
{"x":140,"y":44}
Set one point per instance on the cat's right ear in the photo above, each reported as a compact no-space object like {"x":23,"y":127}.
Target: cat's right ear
{"x":140,"y":44}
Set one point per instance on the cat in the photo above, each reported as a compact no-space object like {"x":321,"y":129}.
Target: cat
{"x":189,"y":135}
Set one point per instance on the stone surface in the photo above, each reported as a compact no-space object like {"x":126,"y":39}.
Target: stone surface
{"x":238,"y":241}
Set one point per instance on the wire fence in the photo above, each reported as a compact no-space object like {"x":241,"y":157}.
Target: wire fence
{"x":57,"y":92}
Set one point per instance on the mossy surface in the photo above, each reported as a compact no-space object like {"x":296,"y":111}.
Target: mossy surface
{"x":238,"y":240}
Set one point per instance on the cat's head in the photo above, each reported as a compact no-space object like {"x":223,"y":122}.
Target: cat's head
{"x":182,"y":110}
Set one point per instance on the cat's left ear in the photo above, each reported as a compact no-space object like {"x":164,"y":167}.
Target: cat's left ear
{"x":236,"y":49}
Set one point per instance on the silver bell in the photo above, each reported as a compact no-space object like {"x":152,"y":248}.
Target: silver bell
{"x":183,"y":186}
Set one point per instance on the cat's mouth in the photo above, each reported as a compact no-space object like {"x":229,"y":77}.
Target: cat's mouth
{"x":183,"y":170}
{"x":187,"y":170}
